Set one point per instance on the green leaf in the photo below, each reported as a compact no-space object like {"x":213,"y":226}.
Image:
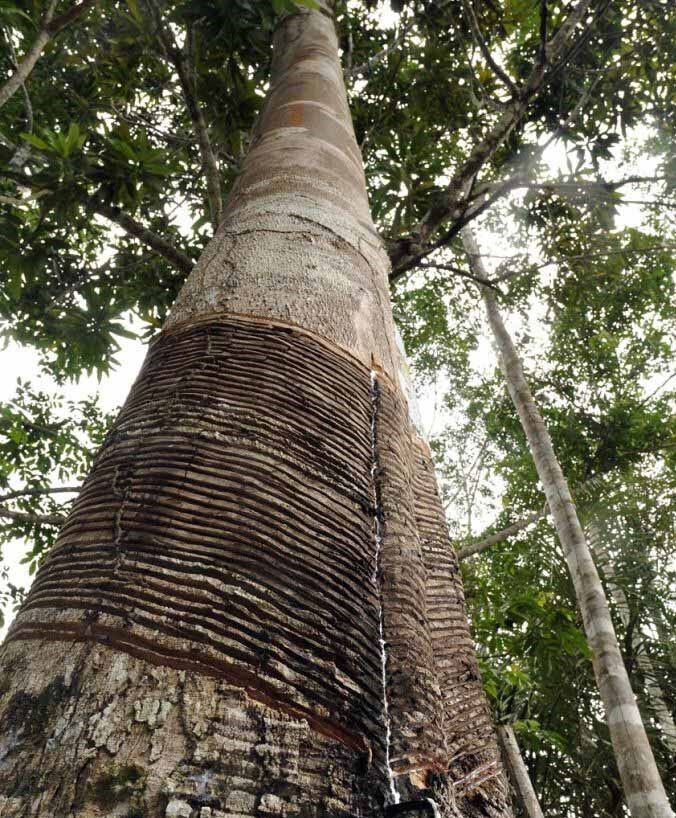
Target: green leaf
{"x":35,"y":141}
{"x":132,"y":5}
{"x":14,"y":284}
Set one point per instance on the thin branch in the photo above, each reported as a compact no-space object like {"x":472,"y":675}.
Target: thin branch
{"x":51,"y":26}
{"x":63,"y":20}
{"x":407,"y":252}
{"x":657,"y":389}
{"x":458,"y":271}
{"x":182,"y":61}
{"x":483,"y":47}
{"x":489,"y":194}
{"x":478,"y":547}
{"x":378,"y":57}
{"x":21,"y":152}
{"x":579,"y":257}
{"x":39,"y":492}
{"x":520,"y":182}
{"x":465,"y":217}
{"x":582,"y":492}
{"x":36,"y":519}
{"x":542,"y":50}
{"x":177,"y":258}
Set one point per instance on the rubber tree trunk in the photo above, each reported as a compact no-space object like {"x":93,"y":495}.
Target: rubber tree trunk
{"x":244,"y":614}
{"x":654,"y":696}
{"x":518,"y":773}
{"x":641,"y":781}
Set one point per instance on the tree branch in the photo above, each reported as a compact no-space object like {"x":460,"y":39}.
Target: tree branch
{"x":583,"y":257}
{"x":37,"y":492}
{"x":489,"y":194}
{"x":182,"y":61}
{"x":51,"y":26}
{"x":177,"y":258}
{"x":21,"y":152}
{"x":483,"y":47}
{"x":380,"y":56}
{"x":405,"y":253}
{"x":458,"y":271}
{"x":36,"y":519}
{"x":581,"y":492}
{"x":517,"y":182}
{"x":478,"y":547}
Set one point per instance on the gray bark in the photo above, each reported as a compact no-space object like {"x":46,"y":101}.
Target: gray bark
{"x":518,"y":772}
{"x":641,"y":780}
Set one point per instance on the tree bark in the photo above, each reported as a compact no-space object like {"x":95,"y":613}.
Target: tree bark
{"x":653,"y":691}
{"x":236,"y":618}
{"x":518,"y":773}
{"x":641,"y":781}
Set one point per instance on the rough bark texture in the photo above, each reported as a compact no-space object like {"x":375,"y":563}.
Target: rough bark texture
{"x":469,"y":736}
{"x":236,"y":618}
{"x":641,"y":781}
{"x":518,"y":773}
{"x":297,"y":243}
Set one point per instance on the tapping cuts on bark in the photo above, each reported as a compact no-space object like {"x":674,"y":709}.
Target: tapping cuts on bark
{"x":252,"y":609}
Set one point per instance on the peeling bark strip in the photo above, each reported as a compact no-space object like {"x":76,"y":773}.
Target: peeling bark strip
{"x":641,"y":780}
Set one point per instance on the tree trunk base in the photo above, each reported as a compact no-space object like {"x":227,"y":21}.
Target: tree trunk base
{"x":111,"y":735}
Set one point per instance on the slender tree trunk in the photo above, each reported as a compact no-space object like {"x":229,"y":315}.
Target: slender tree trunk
{"x":643,"y":787}
{"x":518,"y":773}
{"x":239,"y":616}
{"x":653,"y":692}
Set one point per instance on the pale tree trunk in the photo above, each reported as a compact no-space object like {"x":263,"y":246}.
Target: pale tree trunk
{"x":518,"y":773}
{"x":239,"y":616}
{"x":641,"y":781}
{"x":653,"y":692}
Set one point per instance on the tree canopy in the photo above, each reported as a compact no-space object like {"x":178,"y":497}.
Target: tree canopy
{"x":546,"y":125}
